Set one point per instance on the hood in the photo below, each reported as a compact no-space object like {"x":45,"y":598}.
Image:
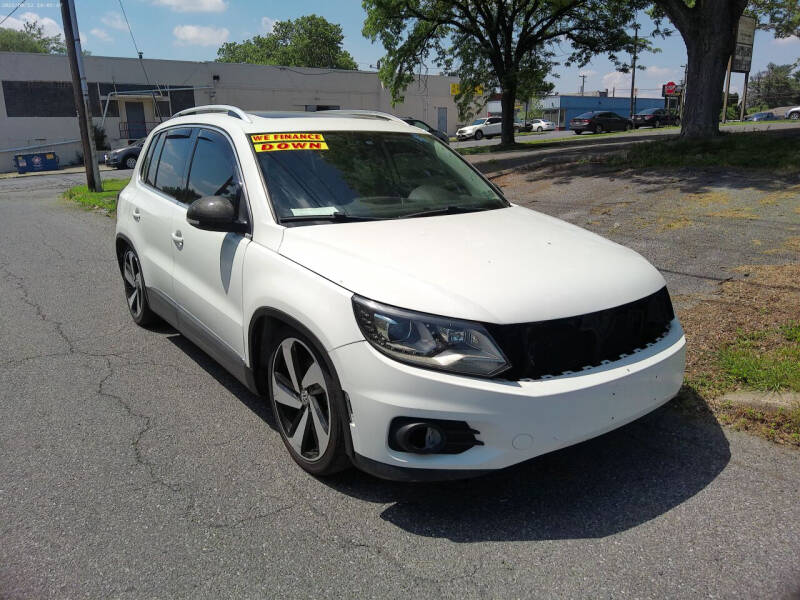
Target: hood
{"x":510,"y":265}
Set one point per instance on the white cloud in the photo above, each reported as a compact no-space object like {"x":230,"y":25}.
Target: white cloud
{"x":267,"y":24}
{"x":193,"y":5}
{"x":617,"y":80}
{"x":662,"y":72}
{"x":49,"y":26}
{"x":198,"y":35}
{"x":101,"y":34}
{"x":114,"y":20}
{"x":792,"y":39}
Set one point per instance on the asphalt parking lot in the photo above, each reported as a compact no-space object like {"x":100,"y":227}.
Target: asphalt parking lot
{"x":133,"y":466}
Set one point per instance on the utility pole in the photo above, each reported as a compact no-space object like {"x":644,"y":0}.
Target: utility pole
{"x":633,"y":69}
{"x":81,"y":93}
{"x":583,"y":81}
{"x":743,"y":107}
{"x":727,"y":91}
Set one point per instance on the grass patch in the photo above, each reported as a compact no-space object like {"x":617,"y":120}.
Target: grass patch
{"x":768,"y":362}
{"x":754,"y":150}
{"x":106,"y":200}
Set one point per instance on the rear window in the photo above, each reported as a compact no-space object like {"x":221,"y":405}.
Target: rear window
{"x":172,"y":165}
{"x":586,"y":115}
{"x":366,"y":174}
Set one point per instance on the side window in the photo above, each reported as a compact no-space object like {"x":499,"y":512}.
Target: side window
{"x":172,"y":163}
{"x":151,"y":159}
{"x":213,"y":171}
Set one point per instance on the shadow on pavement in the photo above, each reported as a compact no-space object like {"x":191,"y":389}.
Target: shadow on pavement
{"x":592,"y":490}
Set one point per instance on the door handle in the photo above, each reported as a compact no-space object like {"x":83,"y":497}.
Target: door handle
{"x":178,"y":239}
{"x":137,"y":214}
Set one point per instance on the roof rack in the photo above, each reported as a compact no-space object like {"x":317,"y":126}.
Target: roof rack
{"x":366,"y":113}
{"x":231,"y":111}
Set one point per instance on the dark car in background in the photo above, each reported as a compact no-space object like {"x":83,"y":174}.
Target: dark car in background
{"x":655,"y":117}
{"x":761,"y":116}
{"x":599,"y":122}
{"x":125,"y":157}
{"x":425,"y":127}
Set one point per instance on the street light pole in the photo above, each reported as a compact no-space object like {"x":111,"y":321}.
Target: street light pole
{"x":80,"y":91}
{"x":633,"y":69}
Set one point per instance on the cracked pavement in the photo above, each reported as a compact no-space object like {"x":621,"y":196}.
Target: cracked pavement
{"x":132,"y":466}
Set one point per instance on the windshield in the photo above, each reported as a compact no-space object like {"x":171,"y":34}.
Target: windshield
{"x":479,"y":121}
{"x":375,"y":175}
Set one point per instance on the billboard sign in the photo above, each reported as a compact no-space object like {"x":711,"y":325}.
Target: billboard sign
{"x":743,"y":54}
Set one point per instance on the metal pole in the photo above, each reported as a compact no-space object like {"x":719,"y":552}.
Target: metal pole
{"x":743,"y":110}
{"x":583,"y":81}
{"x":633,"y":70}
{"x":81,"y":93}
{"x":727,"y":91}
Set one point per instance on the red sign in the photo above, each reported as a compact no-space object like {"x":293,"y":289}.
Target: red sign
{"x":669,"y":88}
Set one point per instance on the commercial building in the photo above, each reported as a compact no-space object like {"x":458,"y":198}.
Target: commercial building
{"x":129,"y":97}
{"x":562,"y":107}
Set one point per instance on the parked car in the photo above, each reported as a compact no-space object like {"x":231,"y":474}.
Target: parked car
{"x":125,"y":157}
{"x":425,"y":127}
{"x":793,"y":113}
{"x":600,"y":122}
{"x":480,"y":128}
{"x":540,"y":125}
{"x":655,"y":117}
{"x":522,"y":126}
{"x":761,"y":116}
{"x":392,"y":307}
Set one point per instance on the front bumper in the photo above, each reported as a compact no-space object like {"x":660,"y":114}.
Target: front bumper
{"x":112,"y":160}
{"x":517,"y":420}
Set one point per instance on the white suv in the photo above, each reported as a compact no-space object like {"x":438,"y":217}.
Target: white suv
{"x":480,"y":128}
{"x":393,"y":308}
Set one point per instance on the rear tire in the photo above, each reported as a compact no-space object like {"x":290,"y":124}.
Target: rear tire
{"x":578,"y":132}
{"x":598,"y":129}
{"x":306,"y":401}
{"x":135,"y":289}
{"x":628,"y":126}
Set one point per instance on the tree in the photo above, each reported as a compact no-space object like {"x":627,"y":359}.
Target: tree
{"x":30,"y":39}
{"x":708,"y":28}
{"x":493,"y":43}
{"x":308,"y":41}
{"x":775,"y":86}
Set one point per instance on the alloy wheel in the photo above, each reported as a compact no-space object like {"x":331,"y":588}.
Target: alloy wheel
{"x":134,"y":287}
{"x":130,"y":162}
{"x":301,"y":399}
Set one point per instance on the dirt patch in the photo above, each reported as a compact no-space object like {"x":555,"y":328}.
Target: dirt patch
{"x":765,"y":299}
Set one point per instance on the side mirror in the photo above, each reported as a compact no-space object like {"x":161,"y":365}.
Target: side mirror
{"x":214,"y":213}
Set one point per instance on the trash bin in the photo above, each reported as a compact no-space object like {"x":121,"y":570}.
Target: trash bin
{"x":40,"y":161}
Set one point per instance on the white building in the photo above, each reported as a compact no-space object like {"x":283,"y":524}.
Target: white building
{"x":37,"y":110}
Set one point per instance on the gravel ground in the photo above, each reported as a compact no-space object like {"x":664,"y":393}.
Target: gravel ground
{"x":134,"y":467}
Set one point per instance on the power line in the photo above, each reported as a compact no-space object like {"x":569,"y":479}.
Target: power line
{"x":141,"y":62}
{"x":8,"y":16}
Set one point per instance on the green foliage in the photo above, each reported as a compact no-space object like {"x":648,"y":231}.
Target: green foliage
{"x":775,"y":86}
{"x":780,"y":16}
{"x":30,"y":39}
{"x":308,"y":41}
{"x":100,"y":139}
{"x":107,"y":199}
{"x":488,"y":44}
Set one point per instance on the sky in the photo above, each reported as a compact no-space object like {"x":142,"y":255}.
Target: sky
{"x":194,"y":29}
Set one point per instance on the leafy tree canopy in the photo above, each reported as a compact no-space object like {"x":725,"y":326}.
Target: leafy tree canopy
{"x":308,"y":41}
{"x":780,"y":16}
{"x":775,"y":86}
{"x":510,"y":44}
{"x":30,"y":39}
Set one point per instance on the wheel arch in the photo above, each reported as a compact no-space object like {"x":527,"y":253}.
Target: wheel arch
{"x":264,"y":323}
{"x":122,"y":241}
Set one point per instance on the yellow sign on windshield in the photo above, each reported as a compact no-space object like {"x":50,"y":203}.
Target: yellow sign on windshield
{"x":273,"y":142}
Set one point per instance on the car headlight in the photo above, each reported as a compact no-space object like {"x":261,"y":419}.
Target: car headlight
{"x":429,"y":341}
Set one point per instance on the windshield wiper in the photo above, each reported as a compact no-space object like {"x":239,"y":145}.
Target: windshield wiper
{"x":336,"y":217}
{"x":447,"y":210}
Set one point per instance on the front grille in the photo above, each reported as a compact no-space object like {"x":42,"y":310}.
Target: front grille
{"x":555,"y":347}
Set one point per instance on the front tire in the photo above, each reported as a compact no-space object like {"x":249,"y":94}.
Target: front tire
{"x":539,"y":129}
{"x":130,"y":162}
{"x":478,"y":135}
{"x":598,"y":129}
{"x":628,"y":126}
{"x":305,"y":400}
{"x":794,"y":116}
{"x":136,"y":290}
